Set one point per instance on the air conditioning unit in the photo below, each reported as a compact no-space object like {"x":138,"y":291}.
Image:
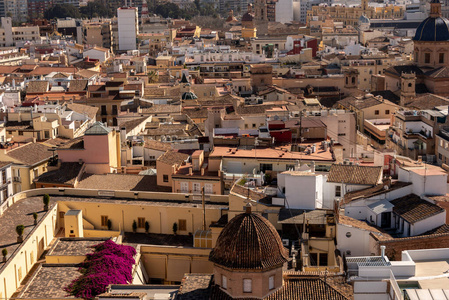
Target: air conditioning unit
{"x":285,"y":242}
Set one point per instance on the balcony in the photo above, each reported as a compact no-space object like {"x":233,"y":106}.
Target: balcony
{"x":181,"y":191}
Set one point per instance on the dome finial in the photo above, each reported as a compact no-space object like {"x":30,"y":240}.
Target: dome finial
{"x":435,"y":9}
{"x":248,"y":208}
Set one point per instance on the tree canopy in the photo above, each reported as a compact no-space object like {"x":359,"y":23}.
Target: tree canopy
{"x":97,"y":8}
{"x":62,"y":11}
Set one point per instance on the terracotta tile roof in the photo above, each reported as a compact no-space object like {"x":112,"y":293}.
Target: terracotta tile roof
{"x":173,"y":158}
{"x":74,"y":246}
{"x":414,"y":209}
{"x":37,"y":86}
{"x":90,"y":111}
{"x":293,"y":288}
{"x":124,"y":182}
{"x":78,"y":85}
{"x":373,"y":191}
{"x":156,"y":145}
{"x":77,"y":143}
{"x":87,"y":73}
{"x":31,"y":154}
{"x":354,"y":174}
{"x":345,"y":220}
{"x":48,"y":282}
{"x":130,"y":125}
{"x":363,"y":102}
{"x":48,"y":70}
{"x":249,"y":242}
{"x":162,"y":108}
{"x":66,"y":174}
{"x":443,"y":229}
{"x":195,"y":287}
{"x":427,"y":101}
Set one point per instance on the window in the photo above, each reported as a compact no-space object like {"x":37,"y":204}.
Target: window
{"x":103,"y":110}
{"x":376,"y":112}
{"x":427,"y":58}
{"x":61,"y":214}
{"x":46,"y":134}
{"x":266,"y":167}
{"x":104,"y":220}
{"x":387,"y":111}
{"x":140,"y":222}
{"x":165,"y":178}
{"x":323,"y":259}
{"x":182,"y":225}
{"x":247,"y":286}
{"x":196,"y":187}
{"x":441,"y":58}
{"x":342,"y":134}
{"x":348,"y":234}
{"x":289,"y":167}
{"x":338,"y":191}
{"x":271,"y":282}
{"x":208,"y":188}
{"x":224,"y":282}
{"x":184,"y":187}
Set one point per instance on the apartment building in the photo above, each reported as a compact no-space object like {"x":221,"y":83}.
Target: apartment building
{"x":412,"y":133}
{"x":98,"y":34}
{"x":12,"y":36}
{"x":128,"y":28}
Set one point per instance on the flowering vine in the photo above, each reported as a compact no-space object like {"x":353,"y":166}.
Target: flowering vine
{"x":108,"y":264}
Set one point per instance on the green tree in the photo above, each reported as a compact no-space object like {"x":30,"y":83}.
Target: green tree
{"x":62,"y":11}
{"x":96,"y":8}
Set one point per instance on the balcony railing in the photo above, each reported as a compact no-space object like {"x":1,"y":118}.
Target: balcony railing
{"x":17,"y":179}
{"x":194,"y":192}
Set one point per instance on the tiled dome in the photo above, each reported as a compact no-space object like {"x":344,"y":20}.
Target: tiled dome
{"x":433,"y":30}
{"x":249,"y":241}
{"x":363,"y":19}
{"x":247,"y":17}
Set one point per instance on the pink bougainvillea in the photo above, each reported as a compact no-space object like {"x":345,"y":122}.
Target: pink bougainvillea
{"x":108,"y":264}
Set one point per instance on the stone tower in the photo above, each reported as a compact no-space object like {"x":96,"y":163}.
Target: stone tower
{"x":351,"y":78}
{"x":260,"y":11}
{"x":408,"y":81}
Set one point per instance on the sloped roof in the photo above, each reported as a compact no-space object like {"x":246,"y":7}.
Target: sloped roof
{"x":427,"y":101}
{"x":38,"y":86}
{"x":354,"y":174}
{"x":66,"y":174}
{"x":78,"y":85}
{"x":98,"y":129}
{"x":305,"y":288}
{"x":31,"y":154}
{"x":414,"y":209}
{"x":172,"y":157}
{"x":87,"y":110}
{"x":156,"y":145}
{"x":130,"y":125}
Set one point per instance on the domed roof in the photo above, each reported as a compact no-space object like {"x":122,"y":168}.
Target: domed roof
{"x":189,"y":96}
{"x":249,"y":241}
{"x":247,"y":17}
{"x":433,"y":30}
{"x":363,"y":19}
